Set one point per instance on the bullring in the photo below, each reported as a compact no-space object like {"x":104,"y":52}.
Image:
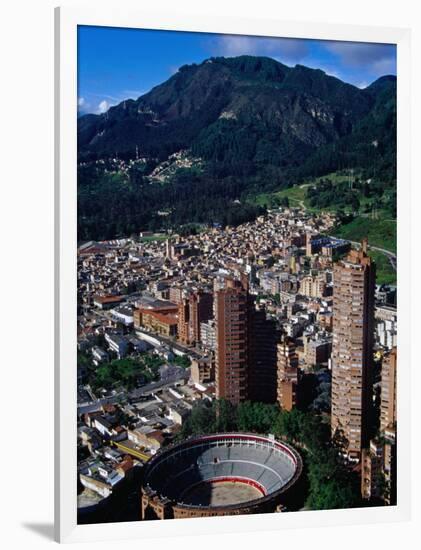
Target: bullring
{"x":219,"y":474}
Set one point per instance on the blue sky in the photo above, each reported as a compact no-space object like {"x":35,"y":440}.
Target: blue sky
{"x":116,"y":64}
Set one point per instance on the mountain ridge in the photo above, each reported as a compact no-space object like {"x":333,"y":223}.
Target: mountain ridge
{"x":299,"y":98}
{"x":253,"y":125}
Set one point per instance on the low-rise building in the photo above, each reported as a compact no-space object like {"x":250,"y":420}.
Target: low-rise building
{"x":146,"y":436}
{"x":317,"y":351}
{"x":164,"y":324}
{"x":99,"y":355}
{"x":117,"y":344}
{"x":203,"y":369}
{"x":313,"y":286}
{"x":107,"y":302}
{"x":123,"y":314}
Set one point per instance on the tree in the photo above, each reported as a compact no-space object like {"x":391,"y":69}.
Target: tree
{"x":200,"y":421}
{"x":256,"y":417}
{"x":225,"y":416}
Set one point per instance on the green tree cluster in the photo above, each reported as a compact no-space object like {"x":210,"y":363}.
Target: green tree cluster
{"x":182,"y":361}
{"x":127,"y":373}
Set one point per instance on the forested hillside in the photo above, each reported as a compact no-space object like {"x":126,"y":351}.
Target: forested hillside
{"x":197,"y":147}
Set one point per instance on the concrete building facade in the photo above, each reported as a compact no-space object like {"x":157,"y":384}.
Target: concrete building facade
{"x":388,"y":392}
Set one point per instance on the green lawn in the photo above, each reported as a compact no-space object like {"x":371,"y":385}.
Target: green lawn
{"x":336,"y":177}
{"x":295,"y":195}
{"x":155,"y":237}
{"x":381,"y":233}
{"x":385,"y":274}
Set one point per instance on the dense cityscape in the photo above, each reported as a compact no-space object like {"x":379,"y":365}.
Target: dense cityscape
{"x":272,"y":327}
{"x":236,"y":262}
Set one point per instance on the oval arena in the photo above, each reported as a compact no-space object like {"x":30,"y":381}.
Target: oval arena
{"x":220,"y":474}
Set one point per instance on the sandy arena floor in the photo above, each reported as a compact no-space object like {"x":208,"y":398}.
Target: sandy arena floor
{"x":220,"y":494}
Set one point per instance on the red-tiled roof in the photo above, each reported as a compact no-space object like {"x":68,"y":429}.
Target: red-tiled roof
{"x":108,"y":299}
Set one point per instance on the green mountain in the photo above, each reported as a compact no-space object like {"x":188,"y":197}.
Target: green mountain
{"x":254,"y":124}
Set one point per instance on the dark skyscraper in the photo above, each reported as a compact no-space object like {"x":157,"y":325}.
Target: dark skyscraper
{"x":263,"y":338}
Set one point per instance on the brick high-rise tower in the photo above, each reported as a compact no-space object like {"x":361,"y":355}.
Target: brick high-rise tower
{"x":352,"y":348}
{"x":194,"y":309}
{"x":245,"y":354}
{"x":231,"y":360}
{"x":378,"y":472}
{"x":183,"y":321}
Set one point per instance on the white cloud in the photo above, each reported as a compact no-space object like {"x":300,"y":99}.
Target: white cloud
{"x":329,"y":72}
{"x":111,"y":97}
{"x":236,"y":45}
{"x":83,"y":106}
{"x":103,"y":106}
{"x":98,"y":103}
{"x":379,"y":57}
{"x":132,"y":94}
{"x":385,"y":66}
{"x":284,"y":49}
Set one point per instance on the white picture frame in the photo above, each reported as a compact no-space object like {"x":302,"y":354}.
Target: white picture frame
{"x":66,"y":23}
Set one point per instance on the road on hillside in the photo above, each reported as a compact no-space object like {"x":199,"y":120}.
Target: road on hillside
{"x":390,"y":255}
